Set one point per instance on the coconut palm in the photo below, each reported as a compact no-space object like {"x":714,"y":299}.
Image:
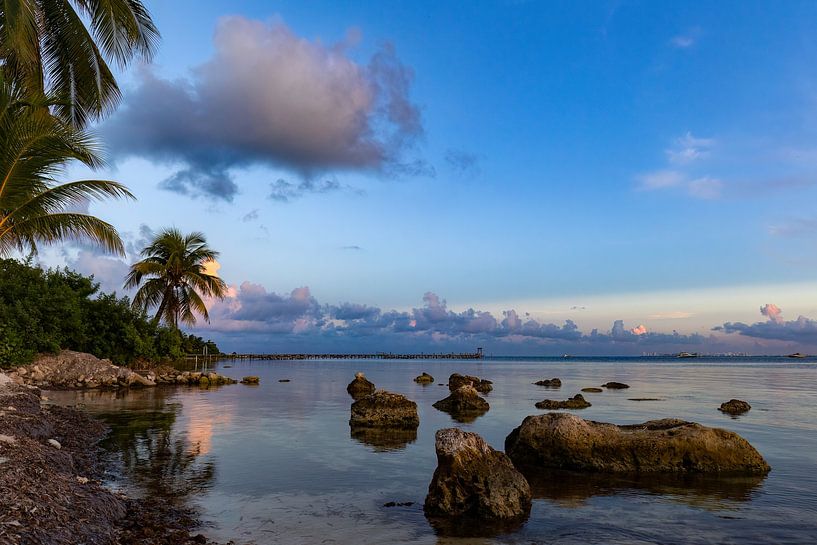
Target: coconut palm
{"x":175,"y":277}
{"x":47,"y":48}
{"x":35,"y":146}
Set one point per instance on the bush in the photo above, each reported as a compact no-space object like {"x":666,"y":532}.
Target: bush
{"x":48,"y":310}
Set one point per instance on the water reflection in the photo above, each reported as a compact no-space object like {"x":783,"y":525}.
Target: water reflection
{"x":155,"y":459}
{"x":384,"y":439}
{"x":710,"y":492}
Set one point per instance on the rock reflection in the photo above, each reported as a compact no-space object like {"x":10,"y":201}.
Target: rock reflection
{"x":384,"y":439}
{"x":710,"y":492}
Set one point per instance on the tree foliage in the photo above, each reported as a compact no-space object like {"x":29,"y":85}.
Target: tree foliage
{"x":48,"y":310}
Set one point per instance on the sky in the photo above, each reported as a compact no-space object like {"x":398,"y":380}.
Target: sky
{"x":530,"y":177}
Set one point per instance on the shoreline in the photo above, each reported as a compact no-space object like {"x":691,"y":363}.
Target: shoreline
{"x":51,"y":482}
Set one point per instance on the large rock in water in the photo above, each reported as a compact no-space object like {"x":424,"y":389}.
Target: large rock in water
{"x":734,"y":407}
{"x":384,"y":410}
{"x":456,"y":381}
{"x":464,"y":404}
{"x":474,"y":486}
{"x":549,"y":383}
{"x":425,"y":378}
{"x":360,"y":387}
{"x":565,"y":441}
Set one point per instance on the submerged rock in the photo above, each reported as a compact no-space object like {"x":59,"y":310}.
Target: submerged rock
{"x":457,"y":380}
{"x":250,"y":380}
{"x":425,"y":378}
{"x":550,"y":383}
{"x":464,"y":404}
{"x":734,"y":406}
{"x":575,"y":402}
{"x":565,"y":441}
{"x":384,"y":409}
{"x":474,"y":486}
{"x":615,"y":385}
{"x":360,"y":387}
{"x":592,"y":390}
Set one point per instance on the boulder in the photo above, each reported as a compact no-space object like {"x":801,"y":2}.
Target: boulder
{"x":592,"y":390}
{"x":464,"y":404}
{"x":474,"y":486}
{"x":734,"y":406}
{"x":549,"y":383}
{"x":384,"y":409}
{"x":425,"y":378}
{"x":456,"y":380}
{"x":251,"y":380}
{"x":575,"y":402}
{"x":360,"y":387}
{"x":565,"y":441}
{"x":615,"y":385}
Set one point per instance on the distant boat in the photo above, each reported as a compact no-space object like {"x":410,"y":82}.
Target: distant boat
{"x":686,"y":355}
{"x":797,"y":355}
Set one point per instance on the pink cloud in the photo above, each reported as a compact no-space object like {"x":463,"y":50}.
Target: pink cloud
{"x":773,"y":312}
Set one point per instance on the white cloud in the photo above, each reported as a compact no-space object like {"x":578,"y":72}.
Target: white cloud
{"x":689,"y":148}
{"x":705,"y":188}
{"x":682,"y":41}
{"x":660,"y":179}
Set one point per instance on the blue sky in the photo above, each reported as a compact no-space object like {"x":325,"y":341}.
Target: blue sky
{"x":639,"y":161}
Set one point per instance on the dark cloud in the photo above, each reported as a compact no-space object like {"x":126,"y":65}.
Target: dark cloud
{"x":252,"y":215}
{"x":776,"y":328}
{"x":463,"y":163}
{"x":284,"y":191}
{"x":269,"y":97}
{"x":252,"y":310}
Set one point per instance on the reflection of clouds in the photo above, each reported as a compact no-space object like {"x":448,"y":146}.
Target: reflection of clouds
{"x":200,"y":429}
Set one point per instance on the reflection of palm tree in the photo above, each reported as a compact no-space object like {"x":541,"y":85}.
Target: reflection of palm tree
{"x":160,"y":463}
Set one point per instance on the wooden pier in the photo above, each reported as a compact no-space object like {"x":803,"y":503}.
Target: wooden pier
{"x":478,"y":355}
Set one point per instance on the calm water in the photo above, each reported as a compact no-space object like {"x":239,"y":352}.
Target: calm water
{"x":276,"y":463}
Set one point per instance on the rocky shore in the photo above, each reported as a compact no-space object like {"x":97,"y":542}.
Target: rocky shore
{"x":50,"y":482}
{"x":73,"y":370}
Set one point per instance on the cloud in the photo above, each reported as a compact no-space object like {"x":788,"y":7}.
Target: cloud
{"x":674,"y":315}
{"x":773,"y":312}
{"x":283,"y":191}
{"x":802,"y":330}
{"x":353,"y":247}
{"x":682,"y":41}
{"x":252,"y":215}
{"x":688,"y":149}
{"x":269,"y":97}
{"x":639,"y":330}
{"x":660,"y":179}
{"x":463,"y":163}
{"x":685,"y":151}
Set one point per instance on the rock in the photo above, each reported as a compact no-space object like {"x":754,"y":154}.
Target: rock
{"x":360,"y":387}
{"x":384,"y":410}
{"x":54,"y":443}
{"x":552,"y":383}
{"x":474,"y":486}
{"x":82,"y":480}
{"x":615,"y":386}
{"x":7,"y":439}
{"x":205,"y":381}
{"x":425,"y":378}
{"x":734,"y":406}
{"x":575,"y":402}
{"x":464,"y":404}
{"x":592,"y":390}
{"x":456,"y":380}
{"x":565,"y":441}
{"x":398,"y":504}
{"x":135,"y":379}
{"x":284,"y":380}
{"x":251,"y":380}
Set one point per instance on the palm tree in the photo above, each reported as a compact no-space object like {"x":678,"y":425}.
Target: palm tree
{"x":34,"y":147}
{"x":174,"y":271}
{"x":47,"y":49}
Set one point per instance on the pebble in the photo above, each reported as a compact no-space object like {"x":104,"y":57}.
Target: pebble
{"x":82,"y":480}
{"x":54,"y":443}
{"x":8,"y":439}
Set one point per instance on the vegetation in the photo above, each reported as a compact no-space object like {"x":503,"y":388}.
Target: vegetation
{"x":34,"y":208}
{"x":47,"y":50}
{"x":45,"y":311}
{"x":175,"y":277}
